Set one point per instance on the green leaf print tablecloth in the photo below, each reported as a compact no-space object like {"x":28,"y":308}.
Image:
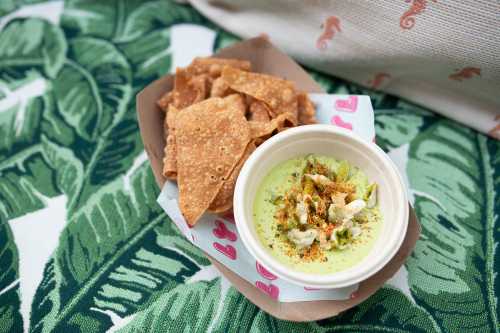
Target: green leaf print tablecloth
{"x":83,"y":244}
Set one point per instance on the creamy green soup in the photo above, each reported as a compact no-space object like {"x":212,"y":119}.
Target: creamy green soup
{"x":285,"y":227}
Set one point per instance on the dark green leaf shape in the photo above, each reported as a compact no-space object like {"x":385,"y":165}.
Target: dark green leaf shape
{"x":111,"y":156}
{"x":494,"y":150}
{"x":395,"y":127}
{"x":32,"y":42}
{"x":386,"y":311}
{"x":145,"y":40}
{"x":69,"y":169}
{"x":53,"y":125}
{"x":25,"y":177}
{"x":155,"y":15}
{"x":168,"y":235}
{"x":7,"y":6}
{"x":186,"y":308}
{"x":452,"y":271}
{"x":122,"y":21}
{"x":104,"y":19}
{"x":103,"y":160}
{"x":20,"y":112}
{"x":149,"y":56}
{"x":115,"y":256}
{"x":93,"y":86}
{"x":104,"y":137}
{"x":10,"y":317}
{"x":237,"y":314}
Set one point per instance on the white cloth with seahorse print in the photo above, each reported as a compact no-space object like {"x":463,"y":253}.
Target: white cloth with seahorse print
{"x":443,"y":55}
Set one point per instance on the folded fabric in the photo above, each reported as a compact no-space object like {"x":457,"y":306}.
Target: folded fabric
{"x":442,"y":55}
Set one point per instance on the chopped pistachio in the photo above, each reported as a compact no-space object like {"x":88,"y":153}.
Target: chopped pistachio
{"x":309,"y":186}
{"x":371,"y":195}
{"x":276,"y":199}
{"x":343,"y":172}
{"x":341,"y":238}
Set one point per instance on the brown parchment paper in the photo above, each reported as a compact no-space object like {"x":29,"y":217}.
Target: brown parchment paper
{"x":265,"y":58}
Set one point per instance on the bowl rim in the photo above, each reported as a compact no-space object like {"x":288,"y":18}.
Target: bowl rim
{"x":333,"y":280}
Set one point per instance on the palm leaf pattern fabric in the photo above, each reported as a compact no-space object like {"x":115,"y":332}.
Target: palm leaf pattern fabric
{"x":85,"y":248}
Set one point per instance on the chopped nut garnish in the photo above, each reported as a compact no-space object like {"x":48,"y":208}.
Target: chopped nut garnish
{"x":322,"y":211}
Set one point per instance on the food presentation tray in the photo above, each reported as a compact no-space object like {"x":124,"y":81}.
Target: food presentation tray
{"x":265,"y":58}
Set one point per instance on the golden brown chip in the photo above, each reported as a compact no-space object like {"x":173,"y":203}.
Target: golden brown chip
{"x":214,"y":66}
{"x":201,"y":84}
{"x":208,"y":140}
{"x":188,"y":89}
{"x":307,"y":113}
{"x":262,"y":129}
{"x":220,"y":88}
{"x":259,"y":111}
{"x":170,"y":159}
{"x":259,"y":129}
{"x":224,"y":199}
{"x":170,"y":117}
{"x":165,"y":101}
{"x":211,"y":136}
{"x":279,"y":94}
{"x":184,"y":95}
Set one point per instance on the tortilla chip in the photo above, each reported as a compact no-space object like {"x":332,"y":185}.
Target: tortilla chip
{"x":236,"y":103}
{"x":170,"y":159}
{"x":220,"y":88}
{"x":183,"y":94}
{"x":261,"y":140}
{"x":165,"y":101}
{"x":307,"y":112}
{"x":188,"y":90}
{"x":208,"y":140}
{"x":279,"y":94}
{"x":263,"y":129}
{"x":224,"y":199}
{"x":211,"y":137}
{"x":259,"y":111}
{"x":259,"y":130}
{"x":170,"y":117}
{"x":202,"y":85}
{"x":214,"y":66}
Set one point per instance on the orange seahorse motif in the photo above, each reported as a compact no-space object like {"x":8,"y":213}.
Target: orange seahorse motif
{"x":330,"y":27}
{"x":407,"y":20}
{"x":377,"y":80}
{"x":495,"y":131}
{"x":465,"y":73}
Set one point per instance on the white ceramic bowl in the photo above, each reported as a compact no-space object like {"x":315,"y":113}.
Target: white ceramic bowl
{"x":343,"y":145}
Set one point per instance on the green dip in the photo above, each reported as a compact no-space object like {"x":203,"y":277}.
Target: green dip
{"x":289,"y":174}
